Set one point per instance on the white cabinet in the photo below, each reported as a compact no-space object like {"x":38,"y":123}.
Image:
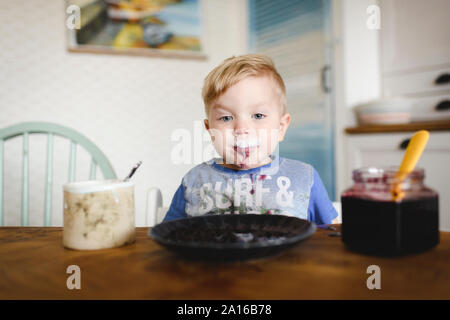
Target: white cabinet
{"x":414,"y":35}
{"x":384,"y":150}
{"x":415,"y":54}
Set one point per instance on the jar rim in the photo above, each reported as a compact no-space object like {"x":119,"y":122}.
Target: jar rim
{"x":389,"y":172}
{"x":90,"y":186}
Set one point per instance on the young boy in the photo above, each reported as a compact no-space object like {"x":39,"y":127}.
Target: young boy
{"x":245,"y":104}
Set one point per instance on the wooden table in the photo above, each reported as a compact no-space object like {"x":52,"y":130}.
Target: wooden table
{"x":33,"y":265}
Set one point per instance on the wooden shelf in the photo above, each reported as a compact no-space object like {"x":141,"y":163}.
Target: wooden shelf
{"x":408,"y":127}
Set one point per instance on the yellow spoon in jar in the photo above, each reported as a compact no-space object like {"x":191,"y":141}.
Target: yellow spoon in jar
{"x":412,"y":155}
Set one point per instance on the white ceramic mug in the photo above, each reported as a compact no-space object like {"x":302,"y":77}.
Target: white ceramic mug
{"x":98,"y":214}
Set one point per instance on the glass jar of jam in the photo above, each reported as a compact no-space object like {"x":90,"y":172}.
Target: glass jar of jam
{"x":374,"y":222}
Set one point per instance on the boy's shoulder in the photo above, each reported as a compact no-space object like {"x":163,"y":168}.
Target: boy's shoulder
{"x":293,"y":163}
{"x":295,"y":168}
{"x":202,"y":169}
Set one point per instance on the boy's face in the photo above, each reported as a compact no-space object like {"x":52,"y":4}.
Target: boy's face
{"x":246,"y":122}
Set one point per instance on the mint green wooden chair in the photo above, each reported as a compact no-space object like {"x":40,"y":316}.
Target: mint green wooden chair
{"x":51,"y":129}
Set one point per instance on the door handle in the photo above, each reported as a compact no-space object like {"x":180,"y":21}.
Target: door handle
{"x":443,"y":105}
{"x":442,"y":79}
{"x":404,"y":144}
{"x":323,"y":78}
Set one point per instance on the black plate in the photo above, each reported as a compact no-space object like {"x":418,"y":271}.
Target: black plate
{"x":231,"y":237}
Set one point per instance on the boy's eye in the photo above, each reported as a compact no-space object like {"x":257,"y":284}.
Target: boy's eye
{"x":226,"y":118}
{"x":259,"y":116}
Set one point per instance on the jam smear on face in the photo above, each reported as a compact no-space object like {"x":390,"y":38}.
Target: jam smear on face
{"x":245,"y":153}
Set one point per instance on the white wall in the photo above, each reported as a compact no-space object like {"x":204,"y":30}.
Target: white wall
{"x":356,"y":71}
{"x":127,"y":105}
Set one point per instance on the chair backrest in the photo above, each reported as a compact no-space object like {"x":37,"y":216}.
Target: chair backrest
{"x":51,"y":129}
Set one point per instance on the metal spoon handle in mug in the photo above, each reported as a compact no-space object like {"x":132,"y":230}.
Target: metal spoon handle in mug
{"x":133,"y":170}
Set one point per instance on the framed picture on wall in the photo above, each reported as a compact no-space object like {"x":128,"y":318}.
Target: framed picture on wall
{"x":169,"y":28}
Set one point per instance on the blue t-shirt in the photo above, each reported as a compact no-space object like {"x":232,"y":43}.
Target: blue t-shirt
{"x":283,"y":186}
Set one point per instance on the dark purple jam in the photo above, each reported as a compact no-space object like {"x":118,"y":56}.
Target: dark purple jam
{"x":227,"y":234}
{"x":387,"y":228}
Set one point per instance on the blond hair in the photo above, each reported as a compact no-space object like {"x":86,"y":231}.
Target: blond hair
{"x":235,"y":69}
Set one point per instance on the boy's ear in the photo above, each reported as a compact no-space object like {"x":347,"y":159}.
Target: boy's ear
{"x":284,"y":124}
{"x":206,"y":122}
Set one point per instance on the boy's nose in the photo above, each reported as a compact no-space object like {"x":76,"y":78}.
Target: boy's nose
{"x":241,"y":131}
{"x":241,"y":127}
